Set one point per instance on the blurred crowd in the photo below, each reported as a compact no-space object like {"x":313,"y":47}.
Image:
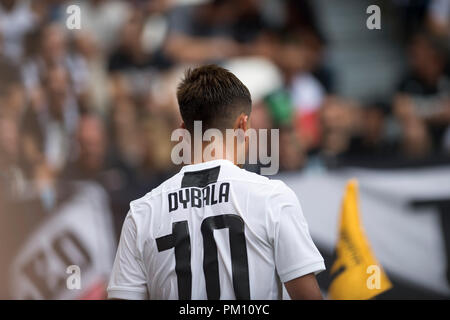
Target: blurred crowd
{"x":98,"y":104}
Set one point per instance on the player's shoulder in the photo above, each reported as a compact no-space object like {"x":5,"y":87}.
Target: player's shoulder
{"x":243,"y":175}
{"x":258,"y":182}
{"x":146,"y":201}
{"x":252,"y":177}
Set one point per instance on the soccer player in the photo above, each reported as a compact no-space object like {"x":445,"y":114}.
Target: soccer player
{"x":214,"y":230}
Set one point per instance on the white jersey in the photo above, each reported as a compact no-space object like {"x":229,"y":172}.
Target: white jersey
{"x":213,"y":231}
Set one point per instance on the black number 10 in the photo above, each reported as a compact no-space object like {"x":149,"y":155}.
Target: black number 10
{"x":181,"y":241}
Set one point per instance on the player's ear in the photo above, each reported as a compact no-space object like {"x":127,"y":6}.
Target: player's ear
{"x":242,"y":122}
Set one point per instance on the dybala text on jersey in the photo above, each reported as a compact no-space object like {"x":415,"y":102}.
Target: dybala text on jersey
{"x":199,"y":197}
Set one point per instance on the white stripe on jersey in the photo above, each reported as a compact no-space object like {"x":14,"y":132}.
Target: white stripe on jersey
{"x":213,"y":231}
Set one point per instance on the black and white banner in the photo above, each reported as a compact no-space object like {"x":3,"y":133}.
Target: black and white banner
{"x":76,"y":240}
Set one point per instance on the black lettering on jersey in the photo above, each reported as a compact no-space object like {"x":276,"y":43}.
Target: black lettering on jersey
{"x":224,"y":190}
{"x":206,"y":193}
{"x":200,"y":197}
{"x":213,"y":191}
{"x":184,"y":200}
{"x":173,"y":201}
{"x":200,"y":179}
{"x":196,"y":196}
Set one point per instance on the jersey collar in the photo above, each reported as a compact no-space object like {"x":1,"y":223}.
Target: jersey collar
{"x":206,"y":165}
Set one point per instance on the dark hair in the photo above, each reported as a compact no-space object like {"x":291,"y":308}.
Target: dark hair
{"x":213,"y":95}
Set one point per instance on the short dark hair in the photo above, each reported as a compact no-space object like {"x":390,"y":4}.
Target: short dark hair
{"x":213,"y":95}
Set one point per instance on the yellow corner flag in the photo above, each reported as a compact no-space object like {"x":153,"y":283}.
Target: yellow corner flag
{"x":356,"y":273}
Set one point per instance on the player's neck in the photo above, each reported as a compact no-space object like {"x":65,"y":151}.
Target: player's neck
{"x":201,"y":156}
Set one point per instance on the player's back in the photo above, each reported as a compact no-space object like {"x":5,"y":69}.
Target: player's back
{"x":213,"y":231}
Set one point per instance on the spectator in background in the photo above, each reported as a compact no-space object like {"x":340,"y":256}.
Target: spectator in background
{"x":124,"y":131}
{"x":96,"y":92}
{"x":130,"y":55}
{"x":307,"y":96}
{"x":131,"y":60}
{"x":339,"y":121}
{"x":12,"y":180}
{"x":422,"y":102}
{"x":411,"y":15}
{"x":156,"y":165}
{"x":370,"y":143}
{"x":91,"y":138}
{"x":17,"y":18}
{"x":439,"y":18}
{"x":213,"y":31}
{"x":12,"y":100}
{"x":292,"y":155}
{"x":96,"y":162}
{"x":56,"y":116}
{"x":53,"y":49}
{"x":102,"y":19}
{"x":12,"y":106}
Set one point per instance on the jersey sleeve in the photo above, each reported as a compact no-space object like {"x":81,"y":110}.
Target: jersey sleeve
{"x":295,"y":252}
{"x":128,"y":278}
